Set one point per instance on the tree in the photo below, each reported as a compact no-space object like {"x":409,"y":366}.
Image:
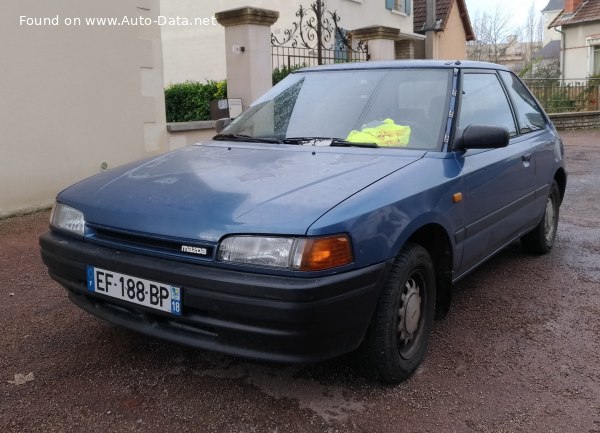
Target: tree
{"x":533,"y":34}
{"x":499,"y":41}
{"x":495,"y":36}
{"x":547,"y":69}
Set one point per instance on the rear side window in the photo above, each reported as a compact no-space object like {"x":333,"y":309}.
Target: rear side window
{"x":529,"y":114}
{"x":484,"y":102}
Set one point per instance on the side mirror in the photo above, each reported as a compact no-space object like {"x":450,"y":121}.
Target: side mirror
{"x":482,"y":137}
{"x":221,"y":124}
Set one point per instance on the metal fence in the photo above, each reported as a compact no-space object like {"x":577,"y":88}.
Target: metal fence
{"x":315,"y":38}
{"x":563,"y":96}
{"x":295,"y":57}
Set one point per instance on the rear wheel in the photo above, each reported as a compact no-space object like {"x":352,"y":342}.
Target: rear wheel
{"x":541,"y":239}
{"x":397,"y":338}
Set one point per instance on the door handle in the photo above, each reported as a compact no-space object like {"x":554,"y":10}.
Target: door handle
{"x":526,"y":157}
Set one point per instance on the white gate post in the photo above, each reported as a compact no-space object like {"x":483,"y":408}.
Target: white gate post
{"x":248,"y":51}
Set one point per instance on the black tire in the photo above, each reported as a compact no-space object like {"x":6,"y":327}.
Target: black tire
{"x":396,"y":342}
{"x":541,"y":239}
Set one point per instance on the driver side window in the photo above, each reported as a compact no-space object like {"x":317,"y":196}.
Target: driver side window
{"x":484,"y":102}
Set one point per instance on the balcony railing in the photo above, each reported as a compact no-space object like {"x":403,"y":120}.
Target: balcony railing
{"x":564,"y":96}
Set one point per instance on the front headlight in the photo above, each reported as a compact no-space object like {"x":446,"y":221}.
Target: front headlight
{"x":298,"y":254}
{"x":66,"y":218}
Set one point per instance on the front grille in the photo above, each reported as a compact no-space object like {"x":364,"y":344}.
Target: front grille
{"x":152,"y":245}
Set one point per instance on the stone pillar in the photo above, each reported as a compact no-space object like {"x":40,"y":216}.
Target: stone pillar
{"x":380,"y":39}
{"x":248,"y":51}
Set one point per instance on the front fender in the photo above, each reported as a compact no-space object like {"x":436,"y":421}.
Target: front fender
{"x":381,"y":218}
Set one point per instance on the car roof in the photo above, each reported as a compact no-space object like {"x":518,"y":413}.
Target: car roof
{"x":406,"y":64}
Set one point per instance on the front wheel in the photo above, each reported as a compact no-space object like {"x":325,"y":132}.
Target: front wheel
{"x":397,"y":338}
{"x":541,"y":239}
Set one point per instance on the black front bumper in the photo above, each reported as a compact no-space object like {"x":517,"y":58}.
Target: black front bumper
{"x":276,"y":318}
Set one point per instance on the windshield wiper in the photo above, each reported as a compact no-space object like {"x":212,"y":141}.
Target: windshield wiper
{"x":247,"y":138}
{"x":305,"y":140}
{"x":338,"y":142}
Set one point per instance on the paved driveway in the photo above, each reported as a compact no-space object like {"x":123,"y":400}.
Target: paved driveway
{"x":518,"y":352}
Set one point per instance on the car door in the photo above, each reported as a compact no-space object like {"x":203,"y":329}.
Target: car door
{"x":498,"y":183}
{"x":535,"y":126}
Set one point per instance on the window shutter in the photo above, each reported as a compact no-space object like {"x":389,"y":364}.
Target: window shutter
{"x":407,"y":4}
{"x":389,"y":4}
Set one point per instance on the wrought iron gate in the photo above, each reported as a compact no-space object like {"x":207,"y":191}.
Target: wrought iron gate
{"x":316,"y":39}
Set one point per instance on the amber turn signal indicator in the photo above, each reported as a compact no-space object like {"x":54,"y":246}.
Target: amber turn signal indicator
{"x":457,"y":197}
{"x":325,"y":253}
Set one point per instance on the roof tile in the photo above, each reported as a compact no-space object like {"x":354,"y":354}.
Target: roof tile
{"x":588,"y":11}
{"x":442,"y":13}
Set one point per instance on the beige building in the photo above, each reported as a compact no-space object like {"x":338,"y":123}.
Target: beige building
{"x":513,"y":54}
{"x":197,"y":52}
{"x":451,"y":32}
{"x":579,"y":23}
{"x":77,"y":95}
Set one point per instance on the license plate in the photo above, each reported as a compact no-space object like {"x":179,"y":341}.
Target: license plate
{"x":152,"y":294}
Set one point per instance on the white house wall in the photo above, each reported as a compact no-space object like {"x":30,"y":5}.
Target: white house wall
{"x":198,"y":52}
{"x":577,"y":53}
{"x":75,"y":97}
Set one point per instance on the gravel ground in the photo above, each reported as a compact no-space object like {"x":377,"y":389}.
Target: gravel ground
{"x":519,"y":352}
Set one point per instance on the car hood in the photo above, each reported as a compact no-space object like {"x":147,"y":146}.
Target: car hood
{"x":206,"y":191}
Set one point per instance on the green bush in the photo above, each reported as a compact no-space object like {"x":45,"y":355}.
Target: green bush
{"x":189,"y":101}
{"x":560,"y":102}
{"x":283,"y":71}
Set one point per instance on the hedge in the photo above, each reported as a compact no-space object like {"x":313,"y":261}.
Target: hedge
{"x":283,"y":71}
{"x":189,"y":101}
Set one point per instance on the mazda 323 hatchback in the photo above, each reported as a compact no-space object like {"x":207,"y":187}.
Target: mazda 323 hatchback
{"x":333,"y":215}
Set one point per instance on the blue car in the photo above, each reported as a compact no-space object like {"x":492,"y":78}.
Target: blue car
{"x":332,"y":216}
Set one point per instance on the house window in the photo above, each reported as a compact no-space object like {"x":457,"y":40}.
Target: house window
{"x":402,"y":6}
{"x":596,"y":60}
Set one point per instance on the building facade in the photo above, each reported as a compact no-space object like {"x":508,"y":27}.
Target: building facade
{"x":549,"y":14}
{"x":198,"y":52}
{"x":79,"y":95}
{"x":579,"y":23}
{"x":452,"y":29}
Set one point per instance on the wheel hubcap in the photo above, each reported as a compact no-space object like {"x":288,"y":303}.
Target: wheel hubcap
{"x":409,"y":312}
{"x":549,"y":225}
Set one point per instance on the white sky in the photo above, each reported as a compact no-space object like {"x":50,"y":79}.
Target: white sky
{"x":516,"y":8}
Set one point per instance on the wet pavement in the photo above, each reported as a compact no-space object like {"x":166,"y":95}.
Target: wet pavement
{"x":518,"y":352}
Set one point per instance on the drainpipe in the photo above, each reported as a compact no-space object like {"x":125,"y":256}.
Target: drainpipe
{"x":430,"y":41}
{"x":562,"y":52}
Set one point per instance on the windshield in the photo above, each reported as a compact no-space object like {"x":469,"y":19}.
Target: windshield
{"x":403,"y":108}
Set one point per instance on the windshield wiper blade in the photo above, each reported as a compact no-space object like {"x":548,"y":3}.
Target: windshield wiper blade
{"x":333,"y":141}
{"x":247,"y":138}
{"x":340,"y":142}
{"x":303,"y":140}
